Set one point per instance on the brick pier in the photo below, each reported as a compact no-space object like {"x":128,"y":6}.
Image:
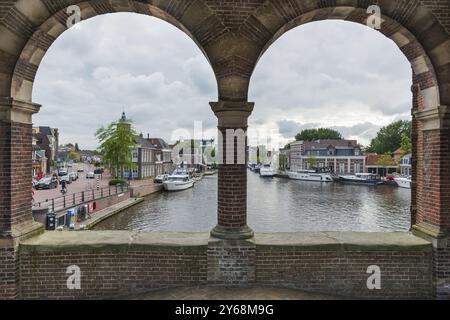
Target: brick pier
{"x":233,"y":35}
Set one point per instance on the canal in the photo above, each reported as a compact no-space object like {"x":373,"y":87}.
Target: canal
{"x":276,"y":204}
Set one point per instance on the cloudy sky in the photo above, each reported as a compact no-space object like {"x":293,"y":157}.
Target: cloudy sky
{"x":331,"y":73}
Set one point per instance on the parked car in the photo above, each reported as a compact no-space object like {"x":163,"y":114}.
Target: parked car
{"x":47,"y":183}
{"x":65,"y":178}
{"x":80,"y":170}
{"x":90,"y":175}
{"x":62,"y":172}
{"x":73,"y":176}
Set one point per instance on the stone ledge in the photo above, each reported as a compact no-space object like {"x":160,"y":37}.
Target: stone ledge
{"x":136,"y":240}
{"x":113,"y":240}
{"x":345,"y":241}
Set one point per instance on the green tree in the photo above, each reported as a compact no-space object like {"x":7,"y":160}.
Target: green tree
{"x":386,"y":160}
{"x":406,"y":144}
{"x":73,"y":155}
{"x":311,"y":161}
{"x":389,"y":138}
{"x":116,"y":146}
{"x":77,"y":148}
{"x":318,"y":134}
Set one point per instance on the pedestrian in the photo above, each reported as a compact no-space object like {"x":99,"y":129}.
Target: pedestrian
{"x":63,"y":187}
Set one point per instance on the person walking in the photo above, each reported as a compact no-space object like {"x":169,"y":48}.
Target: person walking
{"x":63,"y":187}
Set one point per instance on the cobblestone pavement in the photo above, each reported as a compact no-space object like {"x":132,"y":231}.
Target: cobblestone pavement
{"x":227,"y":293}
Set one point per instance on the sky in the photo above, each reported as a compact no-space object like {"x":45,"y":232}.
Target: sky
{"x":323,"y":74}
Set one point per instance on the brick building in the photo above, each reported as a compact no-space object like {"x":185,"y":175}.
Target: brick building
{"x":47,"y":139}
{"x":340,"y":156}
{"x":151,"y":156}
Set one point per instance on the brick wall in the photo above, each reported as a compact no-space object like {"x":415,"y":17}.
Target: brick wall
{"x":344,"y":273}
{"x":231,"y":262}
{"x":341,"y":269}
{"x":8,"y":272}
{"x":117,"y":268}
{"x":15,"y":173}
{"x":121,"y":263}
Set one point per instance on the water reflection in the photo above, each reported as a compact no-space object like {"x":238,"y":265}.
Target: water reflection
{"x":274,"y":205}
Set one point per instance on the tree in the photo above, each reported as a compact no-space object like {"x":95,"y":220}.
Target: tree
{"x":318,"y":134}
{"x":406,"y":144}
{"x":389,"y":138}
{"x":77,"y":148}
{"x":116,"y":146}
{"x":73,"y":155}
{"x":385,"y":161}
{"x":311,"y":161}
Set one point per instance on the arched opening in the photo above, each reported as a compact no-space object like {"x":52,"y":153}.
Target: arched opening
{"x":337,"y":75}
{"x":103,"y":67}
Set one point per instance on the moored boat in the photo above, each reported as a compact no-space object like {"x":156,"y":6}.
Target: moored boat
{"x":266,"y":171}
{"x":403,"y":182}
{"x":361,"y":178}
{"x":310,"y":175}
{"x":178,"y":181}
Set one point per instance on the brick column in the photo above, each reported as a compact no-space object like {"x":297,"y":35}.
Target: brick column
{"x":232,"y":160}
{"x":433,"y":191}
{"x":231,"y":250}
{"x":15,"y":188}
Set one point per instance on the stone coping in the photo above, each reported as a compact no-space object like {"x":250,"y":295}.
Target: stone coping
{"x":126,"y":240}
{"x":373,"y":241}
{"x":104,"y":240}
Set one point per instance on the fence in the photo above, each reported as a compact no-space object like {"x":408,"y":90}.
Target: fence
{"x":71,"y":200}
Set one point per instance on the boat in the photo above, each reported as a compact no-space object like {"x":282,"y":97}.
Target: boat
{"x":177,"y":181}
{"x":310,"y":175}
{"x":266,"y":171}
{"x":403,"y":182}
{"x":361,"y":179}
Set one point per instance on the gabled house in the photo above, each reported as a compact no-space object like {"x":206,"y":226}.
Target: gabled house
{"x":340,"y":156}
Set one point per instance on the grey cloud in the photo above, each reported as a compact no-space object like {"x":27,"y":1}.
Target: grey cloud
{"x":159,"y":76}
{"x":289,"y":128}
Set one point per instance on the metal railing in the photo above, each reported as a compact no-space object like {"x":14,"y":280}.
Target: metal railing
{"x":79,"y":198}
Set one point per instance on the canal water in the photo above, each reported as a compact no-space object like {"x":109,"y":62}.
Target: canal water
{"x":276,"y":204}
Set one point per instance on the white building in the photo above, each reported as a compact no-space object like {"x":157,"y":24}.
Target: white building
{"x":405,"y":165}
{"x":340,"y":156}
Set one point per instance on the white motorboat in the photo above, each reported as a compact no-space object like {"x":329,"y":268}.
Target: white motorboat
{"x":310,"y":175}
{"x":266,"y":171}
{"x":178,"y":181}
{"x":403,"y":182}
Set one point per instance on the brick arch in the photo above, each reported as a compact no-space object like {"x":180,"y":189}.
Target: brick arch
{"x":427,"y":52}
{"x":30,"y":31}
